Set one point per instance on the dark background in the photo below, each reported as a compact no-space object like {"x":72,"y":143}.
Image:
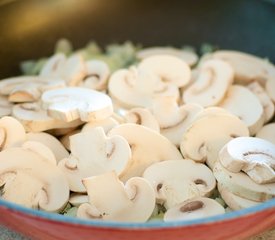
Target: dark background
{"x":30,"y":28}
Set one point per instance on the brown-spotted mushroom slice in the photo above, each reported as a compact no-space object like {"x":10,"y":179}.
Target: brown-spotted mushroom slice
{"x":203,"y":140}
{"x":174,"y":119}
{"x":241,"y":102}
{"x":214,"y":78}
{"x":107,"y":124}
{"x":5,"y":106}
{"x":72,"y":103}
{"x":12,"y":132}
{"x":92,"y":153}
{"x":51,"y":142}
{"x":267,"y":132}
{"x":36,"y":119}
{"x":233,"y":201}
{"x":194,"y":208}
{"x":147,"y":147}
{"x":242,"y":185}
{"x":97,"y":75}
{"x":142,"y":116}
{"x":175,"y":181}
{"x":53,"y":66}
{"x":189,"y":57}
{"x":247,"y":67}
{"x":29,"y":180}
{"x":254,"y":156}
{"x":132,"y":202}
{"x":170,"y":69}
{"x":268,"y":105}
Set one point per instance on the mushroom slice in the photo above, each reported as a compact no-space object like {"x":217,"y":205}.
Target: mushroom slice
{"x":242,"y":185}
{"x":270,"y":86}
{"x":267,"y":132}
{"x":189,"y":57}
{"x":12,"y":132}
{"x":51,"y":142}
{"x":199,"y":207}
{"x":53,"y":66}
{"x":5,"y":106}
{"x":241,"y":102}
{"x":255,"y":156}
{"x":142,"y":141}
{"x":28,"y":88}
{"x":144,"y":117}
{"x":174,"y":119}
{"x":29,"y":180}
{"x":97,"y":75}
{"x":175,"y":181}
{"x":72,"y":103}
{"x":214,"y":79}
{"x":169,"y":68}
{"x":247,"y":67}
{"x":92,"y":153}
{"x":65,"y":139}
{"x":36,"y":119}
{"x":233,"y":201}
{"x":107,"y":124}
{"x":132,"y":202}
{"x":265,"y":100}
{"x":203,"y":140}
{"x":76,"y":199}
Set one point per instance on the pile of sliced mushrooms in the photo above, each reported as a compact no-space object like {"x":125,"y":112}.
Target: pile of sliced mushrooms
{"x":170,"y":136}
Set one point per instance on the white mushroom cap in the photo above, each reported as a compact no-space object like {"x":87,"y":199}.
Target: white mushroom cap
{"x":47,"y":188}
{"x":242,"y":185}
{"x":12,"y":132}
{"x":268,"y":105}
{"x":132,"y":202}
{"x":36,"y":119}
{"x":169,"y":68}
{"x":144,"y":117}
{"x":203,"y":140}
{"x":195,"y":208}
{"x":175,"y":181}
{"x":215,"y":77}
{"x":252,"y":155}
{"x":174,"y":119}
{"x":93,"y":153}
{"x":72,"y":103}
{"x":143,"y":141}
{"x":267,"y":132}
{"x":51,"y":142}
{"x":189,"y":57}
{"x":233,"y":201}
{"x":236,"y":102}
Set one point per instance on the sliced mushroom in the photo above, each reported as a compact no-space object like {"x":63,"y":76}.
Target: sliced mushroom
{"x":169,"y":68}
{"x":174,"y":119}
{"x":144,"y":117}
{"x":72,"y":103}
{"x":244,"y":104}
{"x":97,"y":75}
{"x":28,"y":88}
{"x":242,"y":185}
{"x":142,"y":140}
{"x":5,"y":106}
{"x":76,"y":199}
{"x":39,"y":183}
{"x":203,"y":140}
{"x":132,"y":202}
{"x":265,"y":100}
{"x":107,"y":124}
{"x":267,"y":132}
{"x":187,"y":56}
{"x":92,"y":153}
{"x":199,"y":207}
{"x":254,"y":156}
{"x":214,"y":78}
{"x":51,"y":142}
{"x":36,"y":119}
{"x":270,"y":86}
{"x":247,"y":67}
{"x":12,"y":133}
{"x":175,"y":181}
{"x":65,"y":139}
{"x":233,"y":201}
{"x":53,"y":66}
